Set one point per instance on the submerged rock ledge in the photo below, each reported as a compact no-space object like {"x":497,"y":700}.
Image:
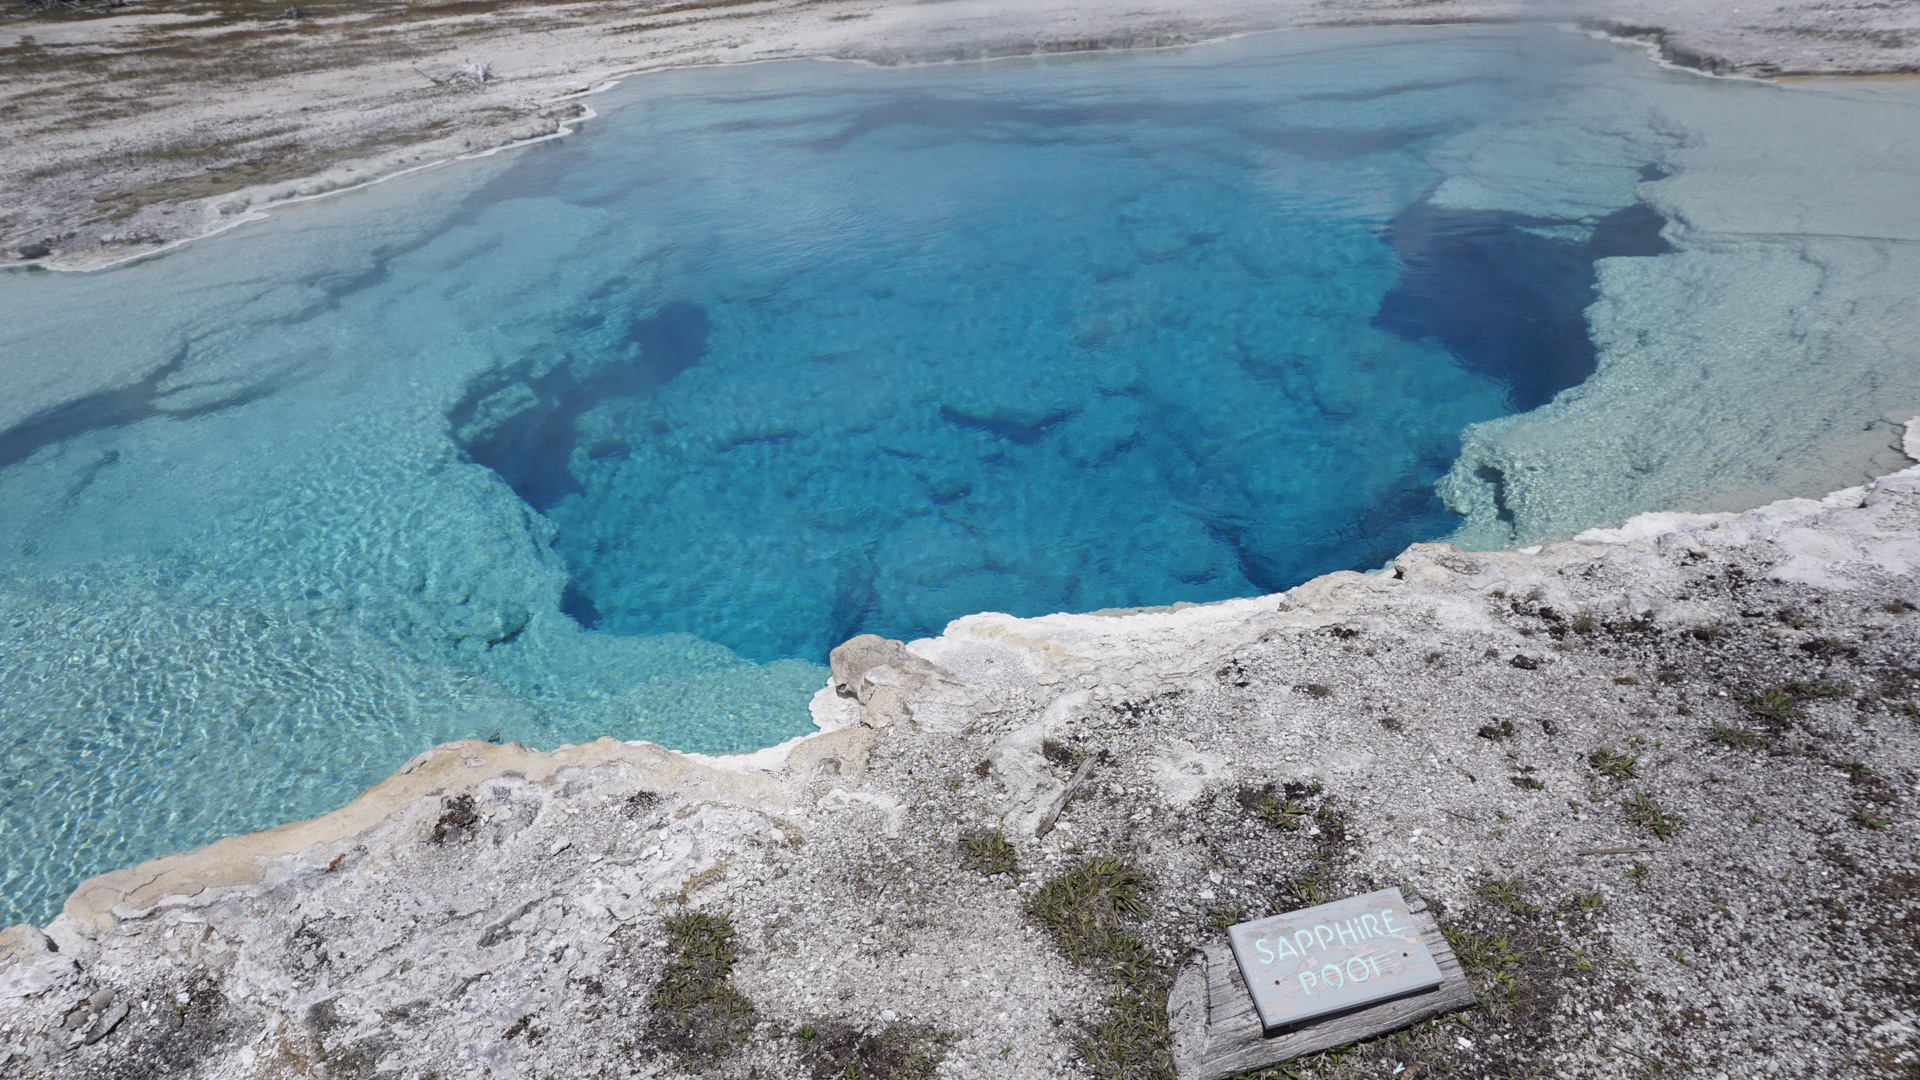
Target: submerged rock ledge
{"x":1658,"y":783}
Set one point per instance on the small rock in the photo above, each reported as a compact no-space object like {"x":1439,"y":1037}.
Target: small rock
{"x":105,"y":1024}
{"x":33,"y":251}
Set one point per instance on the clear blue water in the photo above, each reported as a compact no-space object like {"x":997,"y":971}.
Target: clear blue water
{"x":620,"y":434}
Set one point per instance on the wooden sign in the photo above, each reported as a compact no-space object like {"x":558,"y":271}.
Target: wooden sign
{"x":1218,"y":1033}
{"x":1332,"y":958}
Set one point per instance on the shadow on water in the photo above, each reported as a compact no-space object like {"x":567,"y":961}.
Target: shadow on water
{"x":1505,"y":299}
{"x":531,"y":448}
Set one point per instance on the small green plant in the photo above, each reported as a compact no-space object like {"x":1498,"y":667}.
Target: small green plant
{"x":1488,"y":957}
{"x":1614,"y":766}
{"x":1578,"y":961}
{"x":696,"y":1011}
{"x":1856,"y":771}
{"x":1719,"y":904}
{"x":1775,"y":706}
{"x":1283,"y":813}
{"x":1584,"y":903}
{"x":990,"y":853}
{"x":1863,"y":818}
{"x":1308,"y":890}
{"x":1734,"y":738}
{"x":1585,"y":623}
{"x":1132,"y":1038}
{"x":1638,"y":873}
{"x":1499,"y":729}
{"x":1222,"y":917}
{"x":1818,"y":688}
{"x":1292,"y":805}
{"x":1644,"y":812}
{"x":1505,"y":893}
{"x":1756,"y":818}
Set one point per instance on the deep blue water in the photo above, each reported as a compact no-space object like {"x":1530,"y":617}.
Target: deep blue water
{"x":966,"y":348}
{"x":621,"y":434}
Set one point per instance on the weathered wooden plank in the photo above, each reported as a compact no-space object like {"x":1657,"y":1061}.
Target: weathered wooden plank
{"x":1217,"y":1033}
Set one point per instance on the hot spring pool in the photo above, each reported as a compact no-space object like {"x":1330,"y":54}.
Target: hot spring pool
{"x":620,"y":434}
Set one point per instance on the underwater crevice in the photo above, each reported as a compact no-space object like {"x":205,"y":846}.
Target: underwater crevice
{"x":117,"y":408}
{"x":530,"y":445}
{"x":1013,"y":429}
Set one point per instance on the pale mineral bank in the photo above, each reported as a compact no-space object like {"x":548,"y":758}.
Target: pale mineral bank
{"x":1332,"y":958}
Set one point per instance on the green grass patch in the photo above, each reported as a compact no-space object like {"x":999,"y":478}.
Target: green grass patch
{"x":1818,"y":688}
{"x":1090,"y":912}
{"x":697,"y":1014}
{"x":1584,"y":903}
{"x":837,"y":1051}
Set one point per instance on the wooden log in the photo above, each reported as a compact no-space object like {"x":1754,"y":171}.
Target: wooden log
{"x":1217,"y":1032}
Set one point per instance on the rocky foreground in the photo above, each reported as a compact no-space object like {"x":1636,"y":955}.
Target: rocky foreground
{"x":1658,"y":783}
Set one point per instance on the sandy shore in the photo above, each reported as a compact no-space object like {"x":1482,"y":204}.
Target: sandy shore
{"x":136,"y":126}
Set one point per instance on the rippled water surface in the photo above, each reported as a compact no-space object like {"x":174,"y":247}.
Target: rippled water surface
{"x":620,"y":434}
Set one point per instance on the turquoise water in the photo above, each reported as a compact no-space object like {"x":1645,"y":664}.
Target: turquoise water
{"x":620,"y":434}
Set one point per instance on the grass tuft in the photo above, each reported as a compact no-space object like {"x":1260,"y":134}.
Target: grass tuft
{"x":1776,"y":706}
{"x":1505,"y":893}
{"x":1734,"y":738}
{"x":990,"y":853}
{"x":1644,"y":812}
{"x":1864,"y":818}
{"x":1614,"y":766}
